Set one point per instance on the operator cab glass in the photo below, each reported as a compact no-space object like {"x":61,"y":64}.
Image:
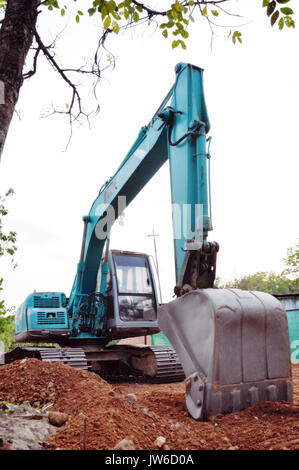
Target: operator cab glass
{"x":136,"y":297}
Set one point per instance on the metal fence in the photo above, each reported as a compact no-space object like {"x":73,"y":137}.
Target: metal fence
{"x":291,"y":305}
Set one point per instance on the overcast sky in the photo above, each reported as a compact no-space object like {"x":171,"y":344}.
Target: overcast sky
{"x":252,"y":99}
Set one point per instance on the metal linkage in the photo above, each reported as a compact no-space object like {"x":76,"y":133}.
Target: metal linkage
{"x":92,"y":314}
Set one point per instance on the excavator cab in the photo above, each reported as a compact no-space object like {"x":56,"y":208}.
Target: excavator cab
{"x":132,"y":295}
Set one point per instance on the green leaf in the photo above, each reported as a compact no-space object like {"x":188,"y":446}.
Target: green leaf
{"x":10,"y":192}
{"x":174,"y":14}
{"x":80,"y":12}
{"x":283,"y":1}
{"x":265,"y":3}
{"x":91,"y":11}
{"x":281,"y":23}
{"x":178,"y":7}
{"x":115,"y":15}
{"x":185,"y":34}
{"x":205,"y":11}
{"x":271,"y":7}
{"x":77,"y":18}
{"x":104,"y":12}
{"x":286,"y":11}
{"x":236,"y":36}
{"x":115,"y":27}
{"x":175,"y":44}
{"x":215,"y":12}
{"x":107,"y":22}
{"x":274,"y":17}
{"x":165,"y":33}
{"x":136,"y":17}
{"x":111,"y":5}
{"x":289,"y":22}
{"x":62,"y":11}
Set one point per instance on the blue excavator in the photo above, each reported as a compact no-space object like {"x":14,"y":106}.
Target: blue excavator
{"x":230,"y":346}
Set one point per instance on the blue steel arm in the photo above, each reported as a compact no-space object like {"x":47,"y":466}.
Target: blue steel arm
{"x":177,"y":133}
{"x":188,"y":165}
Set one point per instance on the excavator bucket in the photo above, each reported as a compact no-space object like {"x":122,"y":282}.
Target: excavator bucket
{"x":233,"y":346}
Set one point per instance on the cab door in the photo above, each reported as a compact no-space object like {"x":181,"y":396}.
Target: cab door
{"x":134,"y":292}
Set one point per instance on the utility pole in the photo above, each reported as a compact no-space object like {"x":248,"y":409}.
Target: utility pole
{"x":154,"y":235}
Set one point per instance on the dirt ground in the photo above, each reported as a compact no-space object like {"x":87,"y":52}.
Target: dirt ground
{"x":101,"y":415}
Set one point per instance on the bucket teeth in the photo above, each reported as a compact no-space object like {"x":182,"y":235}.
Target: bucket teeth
{"x":236,"y":400}
{"x":272,"y":392}
{"x":253,"y":395}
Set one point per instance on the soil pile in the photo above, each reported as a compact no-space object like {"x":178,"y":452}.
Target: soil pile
{"x":150,"y":416}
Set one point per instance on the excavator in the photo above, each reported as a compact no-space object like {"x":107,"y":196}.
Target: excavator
{"x":230,"y":346}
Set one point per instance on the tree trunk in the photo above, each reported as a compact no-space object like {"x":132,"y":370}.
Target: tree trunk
{"x":16,"y":36}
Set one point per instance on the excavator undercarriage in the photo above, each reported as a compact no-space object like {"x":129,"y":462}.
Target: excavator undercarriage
{"x":115,"y":364}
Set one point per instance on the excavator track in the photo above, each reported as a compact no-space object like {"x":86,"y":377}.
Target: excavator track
{"x":73,"y":357}
{"x":169,"y":368}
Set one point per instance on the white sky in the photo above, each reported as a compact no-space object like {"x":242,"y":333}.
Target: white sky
{"x":252,"y":97}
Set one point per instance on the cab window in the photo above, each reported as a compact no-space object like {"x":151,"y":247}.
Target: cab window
{"x":133,"y":275}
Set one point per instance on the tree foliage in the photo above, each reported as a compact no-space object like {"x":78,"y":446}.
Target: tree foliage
{"x":7,"y":248}
{"x":263,"y":281}
{"x":7,"y":239}
{"x":175,"y":19}
{"x":6,"y":324}
{"x":20,"y":32}
{"x":292,"y":263}
{"x":284,"y":283}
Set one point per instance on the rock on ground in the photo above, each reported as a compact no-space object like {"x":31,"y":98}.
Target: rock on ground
{"x":23,"y":428}
{"x":125,"y":444}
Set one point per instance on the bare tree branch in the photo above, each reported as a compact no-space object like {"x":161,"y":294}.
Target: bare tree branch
{"x":75,"y":97}
{"x":34,"y":66}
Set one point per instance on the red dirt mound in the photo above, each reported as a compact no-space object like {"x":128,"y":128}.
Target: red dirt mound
{"x":142,"y":412}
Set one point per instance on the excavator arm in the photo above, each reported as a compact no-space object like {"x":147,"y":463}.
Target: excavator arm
{"x":176,"y":133}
